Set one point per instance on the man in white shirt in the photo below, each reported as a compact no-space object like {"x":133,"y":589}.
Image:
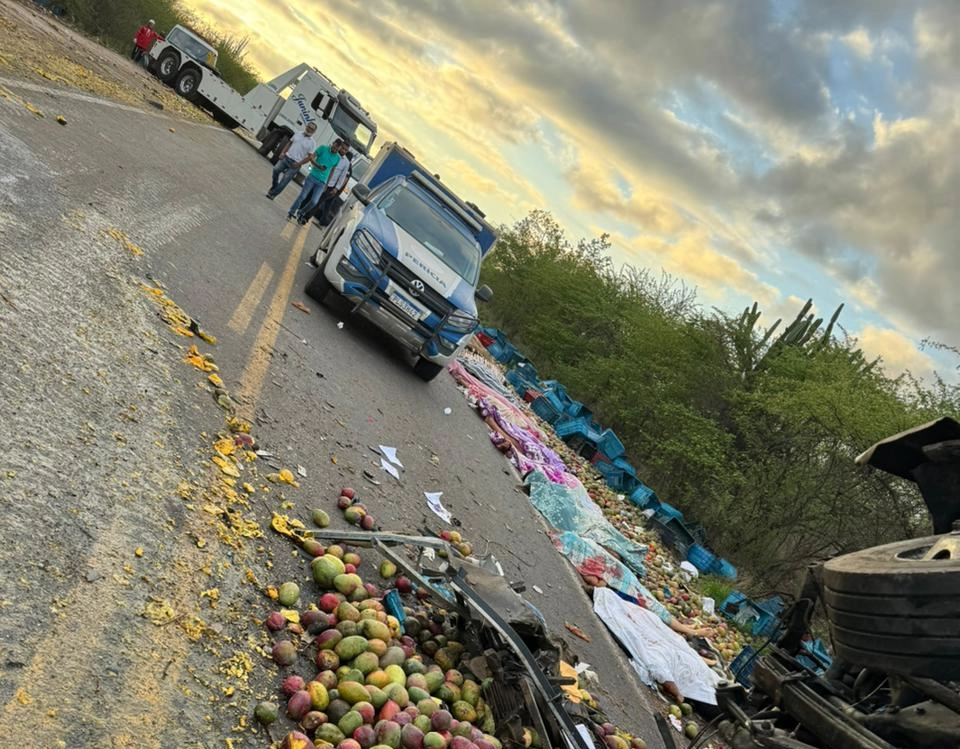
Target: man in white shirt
{"x":298,"y":148}
{"x":336,"y":184}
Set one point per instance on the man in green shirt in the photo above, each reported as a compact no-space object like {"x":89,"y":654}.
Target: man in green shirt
{"x":324,"y":159}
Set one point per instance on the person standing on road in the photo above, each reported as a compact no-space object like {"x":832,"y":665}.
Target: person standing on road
{"x":143,"y":40}
{"x":335,"y":187}
{"x":297,"y":150}
{"x":324,"y":159}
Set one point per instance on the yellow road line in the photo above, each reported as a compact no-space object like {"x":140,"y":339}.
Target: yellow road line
{"x":242,"y":315}
{"x":287,"y":231}
{"x":255,"y":371}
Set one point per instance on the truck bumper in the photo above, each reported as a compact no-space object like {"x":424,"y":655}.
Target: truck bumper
{"x":370,"y":298}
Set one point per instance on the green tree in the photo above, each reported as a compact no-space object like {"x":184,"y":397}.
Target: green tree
{"x":752,"y":432}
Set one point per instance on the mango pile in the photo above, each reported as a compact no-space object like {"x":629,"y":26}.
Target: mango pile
{"x":355,"y":676}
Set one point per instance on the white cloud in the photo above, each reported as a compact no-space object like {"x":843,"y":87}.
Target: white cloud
{"x":859,"y":41}
{"x":898,"y":352}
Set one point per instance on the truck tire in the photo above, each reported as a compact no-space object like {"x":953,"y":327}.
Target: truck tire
{"x":187,"y":82}
{"x":426,"y":370}
{"x":318,"y":287}
{"x":894,"y":608}
{"x":168,"y":65}
{"x":270,"y":142}
{"x":281,"y":144}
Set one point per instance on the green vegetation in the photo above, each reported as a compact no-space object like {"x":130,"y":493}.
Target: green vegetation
{"x":753,"y":434}
{"x":713,"y":587}
{"x":114,"y":22}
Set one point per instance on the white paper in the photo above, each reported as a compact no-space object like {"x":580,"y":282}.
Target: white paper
{"x":433,"y":502}
{"x":390,"y":453}
{"x":390,"y":468}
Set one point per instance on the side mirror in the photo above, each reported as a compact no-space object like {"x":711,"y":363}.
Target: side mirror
{"x":361,"y":193}
{"x":484,"y":293}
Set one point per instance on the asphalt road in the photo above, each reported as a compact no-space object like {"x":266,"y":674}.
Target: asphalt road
{"x":102,"y":424}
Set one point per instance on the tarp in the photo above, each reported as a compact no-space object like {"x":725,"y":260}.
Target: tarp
{"x":590,"y":558}
{"x":568,"y":507}
{"x":657,"y":653}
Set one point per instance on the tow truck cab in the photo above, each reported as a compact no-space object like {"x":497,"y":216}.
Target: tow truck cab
{"x":406,"y":251}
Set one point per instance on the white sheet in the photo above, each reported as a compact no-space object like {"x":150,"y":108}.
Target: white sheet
{"x":658,"y":653}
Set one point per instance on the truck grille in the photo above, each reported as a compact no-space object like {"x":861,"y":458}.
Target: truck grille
{"x":404,"y":277}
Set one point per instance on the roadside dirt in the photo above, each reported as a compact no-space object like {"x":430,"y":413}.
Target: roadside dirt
{"x":36,"y":46}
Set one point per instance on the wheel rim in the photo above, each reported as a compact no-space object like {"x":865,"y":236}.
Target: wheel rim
{"x":166,"y":66}
{"x":946,"y":549}
{"x":187,"y":84}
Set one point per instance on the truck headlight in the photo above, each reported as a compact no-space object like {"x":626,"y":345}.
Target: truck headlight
{"x":461,"y":322}
{"x":367,"y":247}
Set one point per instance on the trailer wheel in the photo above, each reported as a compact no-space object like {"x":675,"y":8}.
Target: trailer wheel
{"x":426,"y":370}
{"x":187,"y":83}
{"x":895,"y":607}
{"x":168,"y":65}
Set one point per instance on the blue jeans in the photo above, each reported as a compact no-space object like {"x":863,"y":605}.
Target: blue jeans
{"x":285,"y":168}
{"x":308,"y":198}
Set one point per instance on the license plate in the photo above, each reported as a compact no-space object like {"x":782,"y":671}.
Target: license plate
{"x":407,"y":306}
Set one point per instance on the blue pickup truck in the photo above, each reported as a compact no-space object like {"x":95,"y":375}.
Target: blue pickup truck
{"x":406,"y":252}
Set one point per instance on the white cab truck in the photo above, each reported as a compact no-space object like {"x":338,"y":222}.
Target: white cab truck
{"x":273,"y":111}
{"x":406,"y":252}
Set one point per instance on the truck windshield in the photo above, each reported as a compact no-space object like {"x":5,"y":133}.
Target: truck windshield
{"x":347,"y":126}
{"x":194,"y":46}
{"x":440,"y":232}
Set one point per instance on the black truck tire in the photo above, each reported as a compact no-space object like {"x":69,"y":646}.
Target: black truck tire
{"x":168,"y":65}
{"x":270,"y":142}
{"x":318,"y":287}
{"x":187,"y":82}
{"x":893,"y":610}
{"x":426,"y":370}
{"x":278,"y":149}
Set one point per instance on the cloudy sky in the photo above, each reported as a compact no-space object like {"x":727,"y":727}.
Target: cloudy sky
{"x":759,"y":150}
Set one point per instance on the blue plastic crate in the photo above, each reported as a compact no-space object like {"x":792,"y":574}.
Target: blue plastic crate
{"x":624,"y":465}
{"x":743,"y":665}
{"x":610,"y":445}
{"x":814,"y":655}
{"x":668,"y":512}
{"x":644,"y":497}
{"x":569,"y":427}
{"x":723,"y":568}
{"x":766,"y":625}
{"x":543,"y":408}
{"x":701,"y":558}
{"x":576,"y":408}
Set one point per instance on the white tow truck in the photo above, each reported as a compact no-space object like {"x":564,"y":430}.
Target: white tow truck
{"x":273,"y":111}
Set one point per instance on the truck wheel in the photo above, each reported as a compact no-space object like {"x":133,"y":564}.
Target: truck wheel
{"x":281,"y":144}
{"x":168,"y":65}
{"x":270,"y":142}
{"x":318,"y":287}
{"x":426,"y":370}
{"x":895,"y":607}
{"x":187,"y":83}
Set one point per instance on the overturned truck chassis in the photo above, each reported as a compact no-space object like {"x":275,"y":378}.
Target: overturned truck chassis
{"x":894,"y":615}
